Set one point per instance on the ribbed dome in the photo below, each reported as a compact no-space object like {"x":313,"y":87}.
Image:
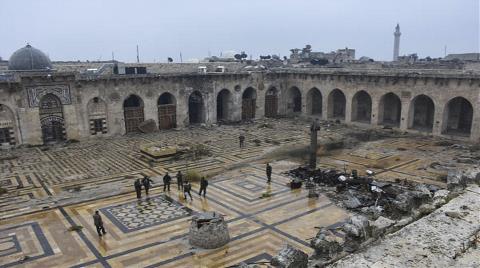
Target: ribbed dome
{"x":29,"y":58}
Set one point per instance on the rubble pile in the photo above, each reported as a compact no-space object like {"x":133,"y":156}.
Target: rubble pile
{"x":379,"y":208}
{"x":290,"y":257}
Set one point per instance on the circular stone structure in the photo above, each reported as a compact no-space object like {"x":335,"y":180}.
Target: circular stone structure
{"x":29,"y":58}
{"x":208,"y":230}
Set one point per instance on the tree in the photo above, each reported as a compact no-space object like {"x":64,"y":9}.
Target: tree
{"x":170,"y":59}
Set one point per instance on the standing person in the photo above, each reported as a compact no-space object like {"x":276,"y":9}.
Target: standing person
{"x":147,"y":183}
{"x":97,"y":220}
{"x":186,"y":190}
{"x":203,"y":186}
{"x":138,"y":188}
{"x":269,"y":173}
{"x":180,"y":180}
{"x":242,"y":141}
{"x":166,"y":182}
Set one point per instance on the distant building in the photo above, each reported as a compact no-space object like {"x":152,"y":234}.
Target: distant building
{"x":410,"y":58}
{"x":306,"y":55}
{"x":464,"y":57}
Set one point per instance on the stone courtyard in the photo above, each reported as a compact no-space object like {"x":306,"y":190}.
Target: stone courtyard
{"x":50,"y":189}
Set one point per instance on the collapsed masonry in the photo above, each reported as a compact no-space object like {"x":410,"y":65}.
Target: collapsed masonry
{"x":379,"y":209}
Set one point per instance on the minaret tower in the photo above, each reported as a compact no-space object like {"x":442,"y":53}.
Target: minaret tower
{"x":396,"y":44}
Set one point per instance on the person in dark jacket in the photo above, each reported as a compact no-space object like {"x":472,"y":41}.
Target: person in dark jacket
{"x":138,"y":188}
{"x":166,"y":182}
{"x":97,"y":220}
{"x":186,"y":190}
{"x":269,"y":172}
{"x":180,"y":180}
{"x":241,"y":138}
{"x":147,"y":184}
{"x":203,"y":186}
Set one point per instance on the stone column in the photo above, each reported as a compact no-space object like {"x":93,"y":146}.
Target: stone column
{"x":405,"y":114}
{"x":348,"y":109}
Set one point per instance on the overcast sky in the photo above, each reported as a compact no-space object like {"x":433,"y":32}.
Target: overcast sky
{"x":92,"y":29}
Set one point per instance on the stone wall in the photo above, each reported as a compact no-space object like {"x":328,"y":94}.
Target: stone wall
{"x":112,"y":90}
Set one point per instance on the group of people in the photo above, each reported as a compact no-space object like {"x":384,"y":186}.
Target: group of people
{"x":182,"y":184}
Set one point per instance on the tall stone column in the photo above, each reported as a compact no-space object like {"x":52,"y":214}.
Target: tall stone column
{"x":396,"y":44}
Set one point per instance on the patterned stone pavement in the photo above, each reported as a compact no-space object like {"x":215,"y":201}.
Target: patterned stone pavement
{"x":151,"y":232}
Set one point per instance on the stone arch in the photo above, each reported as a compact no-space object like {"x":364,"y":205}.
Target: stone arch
{"x":249,"y":100}
{"x":51,"y":119}
{"x":167,"y":111}
{"x":196,"y":108}
{"x":390,"y":110}
{"x":336,"y":104}
{"x":314,"y":102}
{"x":294,"y":101}
{"x":362,"y":107}
{"x":133,"y":113}
{"x":97,"y":116}
{"x":421,"y":114}
{"x":457,"y":117}
{"x":271,"y":102}
{"x":7,"y":126}
{"x":224,"y":105}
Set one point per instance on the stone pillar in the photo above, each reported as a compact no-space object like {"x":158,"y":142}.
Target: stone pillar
{"x":405,"y":114}
{"x":375,"y":112}
{"x":348,"y":109}
{"x":72,"y":126}
{"x":30,"y":127}
{"x":150,"y":109}
{"x":437,"y":121}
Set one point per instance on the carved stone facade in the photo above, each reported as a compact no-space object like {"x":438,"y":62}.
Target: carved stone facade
{"x":435,"y":102}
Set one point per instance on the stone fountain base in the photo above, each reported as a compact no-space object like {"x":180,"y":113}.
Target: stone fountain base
{"x":208,"y":230}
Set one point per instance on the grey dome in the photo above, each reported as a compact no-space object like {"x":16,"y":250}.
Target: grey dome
{"x":29,"y":58}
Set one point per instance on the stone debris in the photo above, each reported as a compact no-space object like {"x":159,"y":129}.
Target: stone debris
{"x":325,"y":243}
{"x":290,"y":257}
{"x":436,"y":240}
{"x":148,"y":126}
{"x":380,"y":226}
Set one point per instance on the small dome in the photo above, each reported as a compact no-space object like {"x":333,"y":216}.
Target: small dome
{"x":29,"y":58}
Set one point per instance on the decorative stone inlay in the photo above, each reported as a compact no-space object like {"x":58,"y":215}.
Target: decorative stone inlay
{"x":36,"y":93}
{"x":209,"y":230}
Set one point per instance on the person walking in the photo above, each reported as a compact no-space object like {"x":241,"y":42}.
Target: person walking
{"x":241,"y":138}
{"x":180,"y":180}
{"x":138,"y":188}
{"x":166,"y":182}
{"x":147,"y":184}
{"x":269,"y":173}
{"x":97,"y":220}
{"x":203,"y":187}
{"x":186,"y":190}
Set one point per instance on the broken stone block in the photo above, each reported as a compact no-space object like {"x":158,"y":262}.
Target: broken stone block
{"x":290,"y":257}
{"x":148,"y":126}
{"x":380,"y":225}
{"x":425,"y":209}
{"x":455,"y":180}
{"x":440,"y":197}
{"x":404,"y":202}
{"x":325,"y":243}
{"x":352,"y":202}
{"x":422,"y":193}
{"x":404,"y":222}
{"x":357,"y":227}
